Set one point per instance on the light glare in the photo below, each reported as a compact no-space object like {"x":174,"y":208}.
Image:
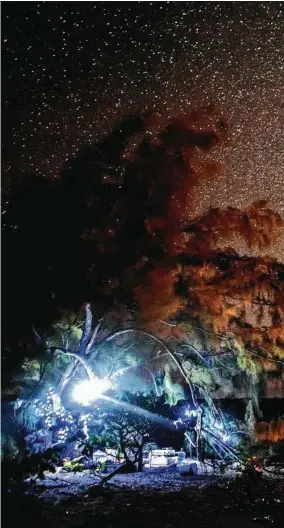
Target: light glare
{"x":88,"y":391}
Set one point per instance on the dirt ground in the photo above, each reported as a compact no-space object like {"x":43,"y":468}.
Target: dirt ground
{"x":155,"y":498}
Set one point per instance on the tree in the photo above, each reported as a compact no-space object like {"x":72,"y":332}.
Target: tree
{"x":123,"y":211}
{"x":124,"y":430}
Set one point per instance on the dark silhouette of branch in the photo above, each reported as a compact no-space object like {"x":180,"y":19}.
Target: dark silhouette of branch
{"x":231,"y":351}
{"x":86,"y":331}
{"x":188,"y":345}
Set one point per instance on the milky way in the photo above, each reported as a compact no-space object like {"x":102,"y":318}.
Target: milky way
{"x":71,"y":69}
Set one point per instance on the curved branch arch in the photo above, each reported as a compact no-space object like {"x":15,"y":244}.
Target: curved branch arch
{"x":166,"y":349}
{"x":78,"y":358}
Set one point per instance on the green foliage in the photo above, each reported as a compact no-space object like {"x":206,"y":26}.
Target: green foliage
{"x":119,"y":429}
{"x":101,"y":465}
{"x":73,"y":466}
{"x":8,"y":446}
{"x":27,"y":418}
{"x":173,"y":391}
{"x":201,"y":376}
{"x":66,"y":333}
{"x":247,"y":363}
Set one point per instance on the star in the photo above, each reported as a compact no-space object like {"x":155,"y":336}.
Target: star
{"x":70,"y":71}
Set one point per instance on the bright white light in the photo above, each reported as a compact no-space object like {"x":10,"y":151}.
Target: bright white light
{"x":219,"y":425}
{"x":89,"y":390}
{"x":190,"y":412}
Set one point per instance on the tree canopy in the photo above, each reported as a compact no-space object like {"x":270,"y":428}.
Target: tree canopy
{"x":118,"y":226}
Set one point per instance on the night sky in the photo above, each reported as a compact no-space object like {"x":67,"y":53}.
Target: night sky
{"x":70,"y":70}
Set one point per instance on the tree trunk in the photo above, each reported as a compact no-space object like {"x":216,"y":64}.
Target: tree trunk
{"x":198,"y":429}
{"x":140,"y":459}
{"x":118,"y":470}
{"x":96,"y":489}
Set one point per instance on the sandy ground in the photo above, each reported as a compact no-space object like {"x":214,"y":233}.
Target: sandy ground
{"x":57,"y":486}
{"x":156,"y":498}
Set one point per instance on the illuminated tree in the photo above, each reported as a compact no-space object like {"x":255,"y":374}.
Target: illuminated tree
{"x":199,"y":274}
{"x":124,"y":431}
{"x":123,"y":210}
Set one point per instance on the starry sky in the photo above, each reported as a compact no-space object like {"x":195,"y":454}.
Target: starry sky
{"x":70,"y":70}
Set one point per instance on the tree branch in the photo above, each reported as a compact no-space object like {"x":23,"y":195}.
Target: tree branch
{"x":68,"y":374}
{"x":231,"y":351}
{"x":37,"y":336}
{"x":265,"y":358}
{"x":86,"y":331}
{"x":196,"y":352}
{"x":24,"y":406}
{"x":224,"y":446}
{"x":93,"y":338}
{"x":167,"y":350}
{"x":77,"y":357}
